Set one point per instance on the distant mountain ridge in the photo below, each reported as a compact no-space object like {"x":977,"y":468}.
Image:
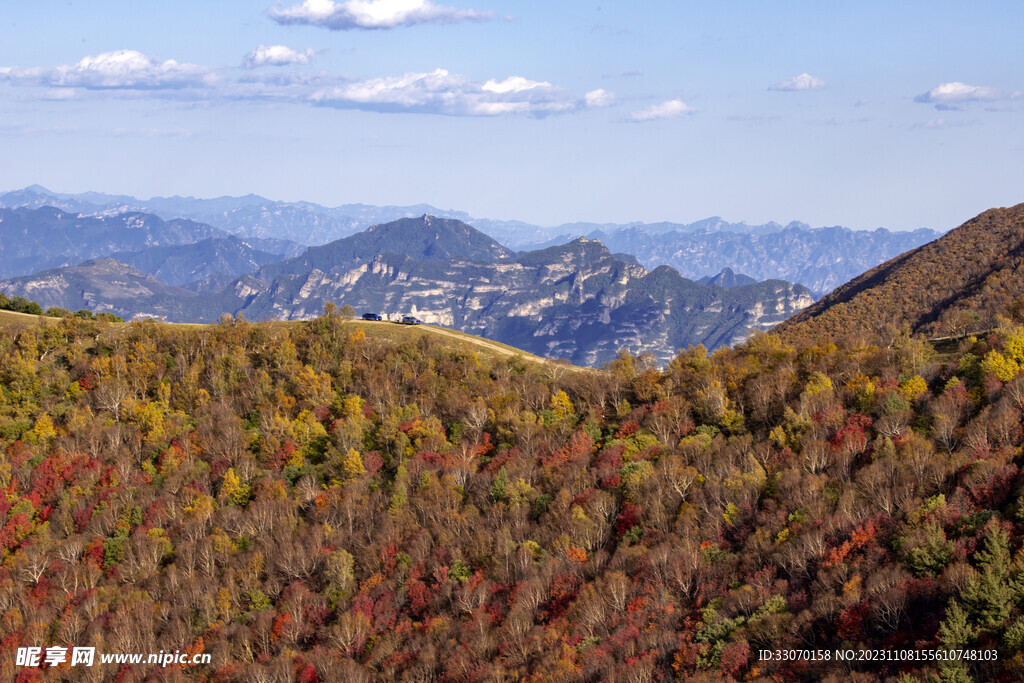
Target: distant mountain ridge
{"x":248,"y":216}
{"x":427,"y":238}
{"x":108,"y":286}
{"x":36,"y":239}
{"x":818,"y":258}
{"x":576,"y":301}
{"x":181,"y":264}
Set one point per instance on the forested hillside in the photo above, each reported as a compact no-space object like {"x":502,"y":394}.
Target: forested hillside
{"x":318,"y":502}
{"x":959,"y":282}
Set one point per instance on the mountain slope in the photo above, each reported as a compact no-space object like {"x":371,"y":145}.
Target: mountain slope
{"x":184,"y":263}
{"x":819,"y":258}
{"x":727,"y":278}
{"x":35,"y":239}
{"x":967,"y":276}
{"x":576,"y":301}
{"x":107,"y":286}
{"x":427,"y":238}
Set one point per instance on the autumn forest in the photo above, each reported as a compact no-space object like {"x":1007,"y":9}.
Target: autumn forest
{"x":321,"y":501}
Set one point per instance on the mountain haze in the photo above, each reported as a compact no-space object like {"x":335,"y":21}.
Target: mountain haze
{"x":818,"y":258}
{"x":107,"y":286}
{"x":37,"y":239}
{"x":427,"y":238}
{"x":727,"y":278}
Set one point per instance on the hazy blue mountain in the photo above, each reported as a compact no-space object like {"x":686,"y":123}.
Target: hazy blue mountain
{"x":727,"y":278}
{"x":35,"y":239}
{"x":37,"y":196}
{"x":107,"y":286}
{"x":426,"y":237}
{"x":819,"y":258}
{"x":249,"y":216}
{"x":184,"y":263}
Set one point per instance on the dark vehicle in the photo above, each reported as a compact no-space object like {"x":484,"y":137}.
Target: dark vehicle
{"x":411,"y":320}
{"x":372,"y":316}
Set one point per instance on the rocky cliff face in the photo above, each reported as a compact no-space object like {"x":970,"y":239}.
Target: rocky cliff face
{"x":575,"y":301}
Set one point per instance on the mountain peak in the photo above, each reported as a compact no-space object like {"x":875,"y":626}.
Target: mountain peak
{"x":727,"y":278}
{"x":424,"y":238}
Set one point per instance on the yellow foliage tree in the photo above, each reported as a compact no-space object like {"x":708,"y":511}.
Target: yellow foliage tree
{"x":1014,"y":346}
{"x":1004,"y":369}
{"x":818,"y":383}
{"x":43,"y":430}
{"x":861,"y":385}
{"x":224,"y":604}
{"x":561,"y":406}
{"x":306,"y":428}
{"x":312,"y":386}
{"x":233,"y":490}
{"x":913,"y":389}
{"x":352,"y":406}
{"x":353,"y":464}
{"x":200,"y":508}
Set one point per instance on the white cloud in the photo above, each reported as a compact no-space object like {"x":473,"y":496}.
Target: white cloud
{"x":801,"y":82}
{"x":123,"y":69}
{"x":513,"y":84}
{"x":276,"y":55}
{"x":599,"y":98}
{"x":955,"y":94}
{"x":665,"y":110}
{"x":371,"y":14}
{"x":440,"y":92}
{"x":435,"y":92}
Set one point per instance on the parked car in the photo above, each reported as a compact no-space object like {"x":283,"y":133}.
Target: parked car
{"x":411,"y":320}
{"x":372,"y":316}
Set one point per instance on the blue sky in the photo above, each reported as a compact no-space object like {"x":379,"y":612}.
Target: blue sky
{"x":863,"y":114}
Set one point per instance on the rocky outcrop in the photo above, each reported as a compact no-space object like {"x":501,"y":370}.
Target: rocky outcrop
{"x":575,"y":301}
